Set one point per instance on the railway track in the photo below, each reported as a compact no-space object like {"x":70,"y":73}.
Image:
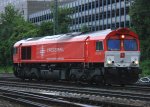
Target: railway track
{"x":36,"y":100}
{"x":126,"y":87}
{"x":95,"y":96}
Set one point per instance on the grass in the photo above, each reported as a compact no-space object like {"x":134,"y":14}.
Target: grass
{"x":7,"y":69}
{"x":145,"y":65}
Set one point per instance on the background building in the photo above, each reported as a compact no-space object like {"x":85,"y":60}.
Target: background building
{"x":21,"y":5}
{"x":26,"y":7}
{"x":96,"y":14}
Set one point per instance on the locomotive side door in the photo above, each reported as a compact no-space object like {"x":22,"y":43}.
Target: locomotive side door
{"x":99,"y":53}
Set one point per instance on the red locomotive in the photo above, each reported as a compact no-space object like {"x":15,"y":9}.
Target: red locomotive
{"x":103,"y":57}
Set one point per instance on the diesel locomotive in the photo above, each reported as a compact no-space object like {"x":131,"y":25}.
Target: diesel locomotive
{"x":103,"y":57}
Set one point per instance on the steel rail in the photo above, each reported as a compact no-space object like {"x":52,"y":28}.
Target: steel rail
{"x":33,"y":99}
{"x":143,"y":88}
{"x":44,"y":97}
{"x":89,"y":91}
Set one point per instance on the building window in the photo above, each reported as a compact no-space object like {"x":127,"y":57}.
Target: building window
{"x":104,"y":15}
{"x":108,"y":14}
{"x":82,"y":7}
{"x":86,"y":6}
{"x":108,"y":26}
{"x":104,"y":3}
{"x":82,"y":19}
{"x":127,"y":24}
{"x":76,"y":9}
{"x":100,"y":27}
{"x":97,"y":3}
{"x":108,"y":1}
{"x":113,"y":1}
{"x":97,"y":28}
{"x":93,"y":4}
{"x":97,"y":17}
{"x":122,"y":11}
{"x":104,"y":27}
{"x":79,"y":20}
{"x":100,"y":15}
{"x":100,"y":3}
{"x":86,"y":18}
{"x":117,"y":25}
{"x":99,"y":45}
{"x":122,"y":24}
{"x":93,"y":28}
{"x":89,"y":6}
{"x":76,"y":20}
{"x":73,"y":21}
{"x":113,"y":13}
{"x":90,"y":18}
{"x":93,"y":17}
{"x":127,"y":10}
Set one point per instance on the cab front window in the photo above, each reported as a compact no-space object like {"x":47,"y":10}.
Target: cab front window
{"x":130,"y":45}
{"x":114,"y":44}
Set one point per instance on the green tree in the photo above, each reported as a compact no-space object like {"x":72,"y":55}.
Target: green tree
{"x":46,"y":28}
{"x":140,"y":18}
{"x":13,"y":27}
{"x":85,"y":28}
{"x":63,"y":20}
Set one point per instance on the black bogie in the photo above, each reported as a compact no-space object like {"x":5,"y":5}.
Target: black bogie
{"x":91,"y":73}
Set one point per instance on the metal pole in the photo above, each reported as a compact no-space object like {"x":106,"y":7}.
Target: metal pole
{"x":55,"y":17}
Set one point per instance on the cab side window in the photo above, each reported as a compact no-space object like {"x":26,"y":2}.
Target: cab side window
{"x":99,"y":45}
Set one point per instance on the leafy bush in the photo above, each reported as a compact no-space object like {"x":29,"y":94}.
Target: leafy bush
{"x":6,"y":69}
{"x":145,"y":65}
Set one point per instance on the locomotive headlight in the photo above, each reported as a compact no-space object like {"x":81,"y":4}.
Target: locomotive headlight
{"x":109,"y":62}
{"x":122,"y":36}
{"x":136,"y":62}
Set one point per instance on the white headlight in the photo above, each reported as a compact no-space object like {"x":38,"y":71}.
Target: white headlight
{"x":136,"y":62}
{"x":109,"y":62}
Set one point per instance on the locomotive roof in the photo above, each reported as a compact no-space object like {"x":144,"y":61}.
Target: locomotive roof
{"x":75,"y":36}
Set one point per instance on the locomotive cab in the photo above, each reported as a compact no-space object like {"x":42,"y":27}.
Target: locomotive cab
{"x":122,"y":56}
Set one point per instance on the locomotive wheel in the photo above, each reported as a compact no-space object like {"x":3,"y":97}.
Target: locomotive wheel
{"x":30,"y":79}
{"x":23,"y":79}
{"x":22,"y":74}
{"x":26,"y":72}
{"x":35,"y":74}
{"x":38,"y":76}
{"x":98,"y":80}
{"x":73,"y":77}
{"x":16,"y":69}
{"x":83,"y":78}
